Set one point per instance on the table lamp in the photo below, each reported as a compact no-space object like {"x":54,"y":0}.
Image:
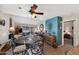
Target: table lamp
{"x":12,"y":30}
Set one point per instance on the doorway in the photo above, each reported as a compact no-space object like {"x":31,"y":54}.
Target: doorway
{"x":69,"y":33}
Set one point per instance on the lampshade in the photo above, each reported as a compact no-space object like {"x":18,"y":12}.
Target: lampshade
{"x":12,"y":29}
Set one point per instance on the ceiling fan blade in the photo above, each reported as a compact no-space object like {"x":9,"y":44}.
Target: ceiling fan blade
{"x":33,"y":10}
{"x":39,"y":13}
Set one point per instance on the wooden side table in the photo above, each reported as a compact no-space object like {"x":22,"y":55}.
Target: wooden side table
{"x":2,"y":47}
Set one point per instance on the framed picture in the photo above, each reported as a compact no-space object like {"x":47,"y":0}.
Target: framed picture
{"x":2,"y":22}
{"x":41,"y":27}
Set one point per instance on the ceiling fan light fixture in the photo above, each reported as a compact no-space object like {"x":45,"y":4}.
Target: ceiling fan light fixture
{"x":33,"y":15}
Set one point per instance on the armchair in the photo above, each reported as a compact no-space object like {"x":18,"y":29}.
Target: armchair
{"x":17,"y":49}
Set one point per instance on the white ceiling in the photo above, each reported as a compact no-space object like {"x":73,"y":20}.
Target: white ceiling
{"x":50,"y":10}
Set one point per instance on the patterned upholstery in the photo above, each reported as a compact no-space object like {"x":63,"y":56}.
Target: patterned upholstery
{"x":19,"y":48}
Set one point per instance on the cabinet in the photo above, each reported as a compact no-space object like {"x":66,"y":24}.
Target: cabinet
{"x":53,"y":26}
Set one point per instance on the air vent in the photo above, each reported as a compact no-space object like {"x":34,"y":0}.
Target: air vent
{"x":19,"y":7}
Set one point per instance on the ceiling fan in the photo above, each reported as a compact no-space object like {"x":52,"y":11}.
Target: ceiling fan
{"x":34,"y":12}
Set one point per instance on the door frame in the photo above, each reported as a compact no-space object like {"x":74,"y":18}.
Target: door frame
{"x":74,"y":31}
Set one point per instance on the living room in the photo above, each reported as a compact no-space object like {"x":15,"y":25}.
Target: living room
{"x":16,"y":20}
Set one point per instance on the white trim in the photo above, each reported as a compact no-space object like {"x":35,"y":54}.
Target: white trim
{"x":69,"y":20}
{"x":74,"y":21}
{"x":62,"y":33}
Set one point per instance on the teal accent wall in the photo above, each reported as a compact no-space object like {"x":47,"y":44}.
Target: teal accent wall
{"x":54,"y":27}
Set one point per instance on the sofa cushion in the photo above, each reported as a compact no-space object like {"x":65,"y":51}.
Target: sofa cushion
{"x":19,"y":48}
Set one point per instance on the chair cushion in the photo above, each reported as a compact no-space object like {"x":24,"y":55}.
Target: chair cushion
{"x":20,"y":48}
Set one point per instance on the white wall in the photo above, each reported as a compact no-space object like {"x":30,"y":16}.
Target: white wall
{"x":77,"y":31}
{"x":4,"y":29}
